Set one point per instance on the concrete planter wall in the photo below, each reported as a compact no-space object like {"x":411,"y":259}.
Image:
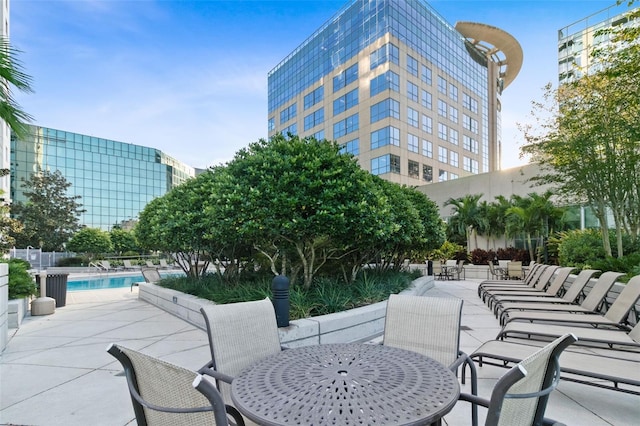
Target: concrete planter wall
{"x":4,"y":305}
{"x":360,"y":324}
{"x":18,"y":309}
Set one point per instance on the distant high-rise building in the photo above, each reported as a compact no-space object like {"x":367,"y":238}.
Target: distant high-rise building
{"x":5,"y":132}
{"x":576,"y":41}
{"x":116,"y":180}
{"x":416,"y":99}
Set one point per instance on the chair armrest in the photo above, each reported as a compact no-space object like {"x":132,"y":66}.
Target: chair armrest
{"x":474,"y":399}
{"x":207,"y":371}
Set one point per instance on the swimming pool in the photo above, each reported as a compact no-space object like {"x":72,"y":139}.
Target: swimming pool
{"x":103,"y":283}
{"x":100,"y":283}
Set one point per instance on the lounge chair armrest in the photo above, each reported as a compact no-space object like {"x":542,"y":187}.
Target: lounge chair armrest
{"x":208,"y":371}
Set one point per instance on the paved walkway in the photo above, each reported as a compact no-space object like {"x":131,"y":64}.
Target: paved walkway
{"x":56,"y":371}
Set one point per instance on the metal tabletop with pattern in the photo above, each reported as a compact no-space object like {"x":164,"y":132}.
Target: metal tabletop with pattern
{"x":346,"y":384}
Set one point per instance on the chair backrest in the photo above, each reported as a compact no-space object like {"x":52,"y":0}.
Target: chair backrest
{"x":437,"y":267}
{"x":561,"y":276}
{"x":450,"y":262}
{"x":163,"y":263}
{"x":150,"y":264}
{"x":159,"y":390}
{"x":127,"y":263}
{"x":627,"y":298}
{"x":105,"y":264}
{"x":460,"y":266}
{"x":240,"y":334}
{"x":151,"y":275}
{"x":535,"y":274}
{"x":520,"y":396}
{"x":514,"y":269}
{"x":545,"y":277}
{"x":578,"y":284}
{"x":427,"y":325}
{"x":599,"y":290}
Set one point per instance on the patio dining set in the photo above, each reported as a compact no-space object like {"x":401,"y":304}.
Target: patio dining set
{"x":413,"y":376}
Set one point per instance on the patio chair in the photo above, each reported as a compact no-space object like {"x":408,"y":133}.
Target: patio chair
{"x":128,"y":266}
{"x":492,"y":295}
{"x":437,"y":270}
{"x":591,"y":302}
{"x":514,"y":270}
{"x":166,"y":394}
{"x":240,"y":334}
{"x":164,"y":264}
{"x":540,"y":290}
{"x":151,"y":275}
{"x":458,"y":271}
{"x":150,"y":264}
{"x":497,"y":272}
{"x":610,"y":365}
{"x":106,"y":265}
{"x":608,"y":337}
{"x":616,"y":316}
{"x":528,"y":282}
{"x":429,"y":326}
{"x":520,"y":396}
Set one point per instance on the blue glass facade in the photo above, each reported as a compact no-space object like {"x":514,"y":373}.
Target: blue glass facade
{"x":116,"y":180}
{"x":386,"y":54}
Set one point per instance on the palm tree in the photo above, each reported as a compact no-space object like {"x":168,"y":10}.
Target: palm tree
{"x":12,"y":74}
{"x":466,"y":217}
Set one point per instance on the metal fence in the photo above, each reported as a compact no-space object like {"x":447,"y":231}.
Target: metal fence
{"x":37,"y":258}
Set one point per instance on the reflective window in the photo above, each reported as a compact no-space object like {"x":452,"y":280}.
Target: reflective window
{"x":412,"y":91}
{"x":314,"y":119}
{"x":412,"y":65}
{"x":271,"y":125}
{"x":425,"y":74}
{"x":387,"y":81}
{"x":427,"y":173}
{"x":453,"y":158}
{"x":412,"y":143}
{"x":345,"y":102}
{"x":442,"y":108}
{"x":427,"y":148}
{"x":385,"y":164}
{"x":386,"y":136}
{"x":453,"y":92}
{"x":314,"y":97}
{"x":453,"y":114}
{"x":388,"y":52}
{"x":345,"y":78}
{"x":427,"y":124}
{"x":453,"y":136}
{"x":351,"y":147}
{"x":346,"y":126}
{"x":413,"y":168}
{"x":412,"y":117}
{"x":387,"y":108}
{"x":288,"y":113}
{"x":443,"y":154}
{"x":426,"y":100}
{"x":442,"y":85}
{"x":443,"y":131}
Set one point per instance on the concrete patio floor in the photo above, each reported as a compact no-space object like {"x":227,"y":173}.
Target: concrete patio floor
{"x":56,"y":371}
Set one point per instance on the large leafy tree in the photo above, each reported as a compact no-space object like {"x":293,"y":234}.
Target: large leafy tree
{"x":12,"y":75}
{"x":587,"y":140}
{"x":50,"y":216}
{"x":91,"y":241}
{"x":123,"y":241}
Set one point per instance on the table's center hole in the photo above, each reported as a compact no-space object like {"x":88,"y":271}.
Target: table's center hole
{"x":342,"y":372}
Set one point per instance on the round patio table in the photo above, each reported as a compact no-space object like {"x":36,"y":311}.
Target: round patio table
{"x":345,"y":384}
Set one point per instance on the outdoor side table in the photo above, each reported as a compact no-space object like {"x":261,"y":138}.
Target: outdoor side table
{"x":345,"y":384}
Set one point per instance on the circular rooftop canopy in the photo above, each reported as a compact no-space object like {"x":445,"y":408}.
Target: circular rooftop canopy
{"x":499,"y":46}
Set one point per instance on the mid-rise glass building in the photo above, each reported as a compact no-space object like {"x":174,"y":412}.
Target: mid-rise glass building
{"x":416,"y":99}
{"x":116,"y":180}
{"x":577,"y":40}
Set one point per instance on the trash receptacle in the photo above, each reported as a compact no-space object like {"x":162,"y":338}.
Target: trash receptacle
{"x":56,"y":288}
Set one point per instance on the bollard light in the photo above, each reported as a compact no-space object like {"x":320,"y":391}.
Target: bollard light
{"x":280,"y":289}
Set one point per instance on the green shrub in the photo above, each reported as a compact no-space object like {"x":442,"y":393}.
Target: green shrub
{"x":580,"y":248}
{"x":72,"y":261}
{"x":630,"y":265}
{"x":326,"y":295}
{"x":21,"y":283}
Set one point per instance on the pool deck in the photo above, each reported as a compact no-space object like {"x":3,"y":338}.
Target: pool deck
{"x":56,"y":371}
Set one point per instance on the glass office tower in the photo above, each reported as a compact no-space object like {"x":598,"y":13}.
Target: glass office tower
{"x":415,"y":99}
{"x":576,"y":41}
{"x":116,"y":180}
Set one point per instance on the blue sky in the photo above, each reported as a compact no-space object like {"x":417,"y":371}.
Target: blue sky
{"x":190,"y":77}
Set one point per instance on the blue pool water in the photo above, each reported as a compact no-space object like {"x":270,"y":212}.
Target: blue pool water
{"x":103,"y":282}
